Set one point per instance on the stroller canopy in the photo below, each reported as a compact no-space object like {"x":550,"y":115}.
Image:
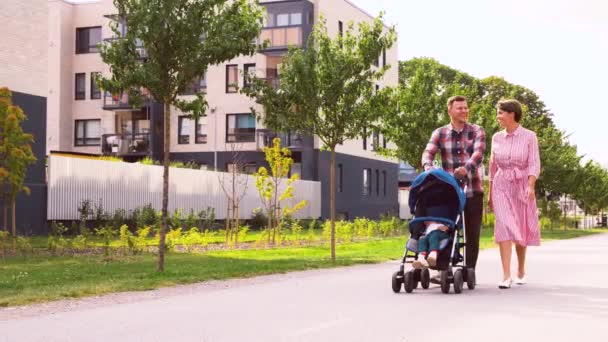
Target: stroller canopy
{"x":430,"y":175}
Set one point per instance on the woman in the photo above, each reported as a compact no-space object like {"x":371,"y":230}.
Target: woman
{"x":514,"y":168}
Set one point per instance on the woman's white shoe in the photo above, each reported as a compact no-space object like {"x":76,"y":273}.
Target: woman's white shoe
{"x":505,"y":284}
{"x":520,"y":281}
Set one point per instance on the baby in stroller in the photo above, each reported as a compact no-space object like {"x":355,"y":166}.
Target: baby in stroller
{"x":428,"y":245}
{"x":436,"y":235}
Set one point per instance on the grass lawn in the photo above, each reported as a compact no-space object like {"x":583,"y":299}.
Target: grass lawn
{"x":39,"y":279}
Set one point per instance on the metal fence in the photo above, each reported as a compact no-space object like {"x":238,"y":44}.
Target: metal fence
{"x":120,"y":185}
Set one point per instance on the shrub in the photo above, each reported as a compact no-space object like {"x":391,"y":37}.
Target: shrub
{"x":259,"y":220}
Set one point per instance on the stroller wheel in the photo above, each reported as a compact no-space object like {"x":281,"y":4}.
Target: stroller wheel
{"x":458,"y":281}
{"x":416,"y":278}
{"x":397,"y":280}
{"x":408,"y":282}
{"x":445,"y":281}
{"x":471,"y":278}
{"x":425,"y":278}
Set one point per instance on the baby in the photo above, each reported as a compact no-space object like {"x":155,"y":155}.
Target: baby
{"x":428,"y":245}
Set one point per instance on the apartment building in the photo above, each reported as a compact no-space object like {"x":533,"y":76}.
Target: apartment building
{"x":81,"y":118}
{"x":23,"y":65}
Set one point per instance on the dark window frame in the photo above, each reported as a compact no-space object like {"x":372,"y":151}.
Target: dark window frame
{"x":246,"y":72}
{"x":383,"y":57}
{"x":95,"y":95}
{"x":199,"y":138}
{"x":367,"y":190}
{"x":79,"y":49}
{"x":86,"y":141}
{"x":234,"y":88}
{"x":341,"y":32}
{"x":77,"y":94}
{"x":182,"y":139}
{"x":250,"y":136}
{"x":365,"y":139}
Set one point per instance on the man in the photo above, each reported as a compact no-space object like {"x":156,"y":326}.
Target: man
{"x":462,"y":146}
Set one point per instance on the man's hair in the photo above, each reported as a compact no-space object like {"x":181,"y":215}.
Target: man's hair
{"x":457,"y":98}
{"x":510,"y":106}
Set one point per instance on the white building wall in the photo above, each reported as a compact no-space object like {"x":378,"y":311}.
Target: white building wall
{"x":23,"y":46}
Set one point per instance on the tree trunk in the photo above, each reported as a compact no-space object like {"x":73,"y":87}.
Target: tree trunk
{"x":270,"y":214}
{"x":5,"y":216}
{"x":14,"y":216}
{"x":332,"y":201}
{"x":228,"y":219}
{"x":236,"y":224}
{"x":163,"y":223}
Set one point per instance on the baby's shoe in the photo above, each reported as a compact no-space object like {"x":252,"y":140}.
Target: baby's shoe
{"x":420,"y":262}
{"x":432,"y":259}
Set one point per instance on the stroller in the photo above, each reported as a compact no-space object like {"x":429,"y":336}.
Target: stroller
{"x":435,"y":195}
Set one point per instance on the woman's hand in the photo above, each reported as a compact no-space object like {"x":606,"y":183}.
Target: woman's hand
{"x":530,"y":193}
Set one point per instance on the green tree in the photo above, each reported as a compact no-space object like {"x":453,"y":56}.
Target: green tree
{"x":327,"y":89}
{"x":271,"y":189}
{"x":424,"y":88}
{"x":180,"y":39}
{"x":15,"y":155}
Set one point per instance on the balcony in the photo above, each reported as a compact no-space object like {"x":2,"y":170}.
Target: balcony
{"x":125,"y":145}
{"x":293,"y":141}
{"x":119,"y":102}
{"x":280,"y":38}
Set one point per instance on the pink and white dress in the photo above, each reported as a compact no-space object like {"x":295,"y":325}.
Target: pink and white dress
{"x":514,"y":157}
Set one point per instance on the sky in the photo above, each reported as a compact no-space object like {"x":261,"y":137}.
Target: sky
{"x":556,"y":48}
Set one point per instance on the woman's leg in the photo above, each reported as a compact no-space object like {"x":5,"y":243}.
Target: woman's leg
{"x":521,"y":260}
{"x":505,"y":257}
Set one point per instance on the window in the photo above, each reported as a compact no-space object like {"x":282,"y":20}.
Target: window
{"x":383,"y":57}
{"x":87,"y":133}
{"x":339,"y":178}
{"x":201,"y":128}
{"x":249,"y":71}
{"x":80,"y":86}
{"x":365,"y":138}
{"x":376,"y":140}
{"x":341,"y":32}
{"x":383,"y":141}
{"x":95,"y":91}
{"x":384,"y":182}
{"x":377,"y":182}
{"x":183,"y":127}
{"x":283,"y":19}
{"x":295,"y":168}
{"x":232,"y":78}
{"x":367,"y":182}
{"x":197,"y":86}
{"x":376,"y":62}
{"x":87,"y":39}
{"x":240,"y":128}
{"x":295,"y":19}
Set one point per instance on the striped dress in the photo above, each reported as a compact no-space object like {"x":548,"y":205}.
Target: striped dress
{"x":514,"y":157}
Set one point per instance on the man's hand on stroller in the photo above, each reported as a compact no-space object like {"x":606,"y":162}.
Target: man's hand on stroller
{"x":443,"y":228}
{"x":460,"y":172}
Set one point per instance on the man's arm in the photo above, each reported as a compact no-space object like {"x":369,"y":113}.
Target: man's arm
{"x":429,"y":152}
{"x":479,"y":147}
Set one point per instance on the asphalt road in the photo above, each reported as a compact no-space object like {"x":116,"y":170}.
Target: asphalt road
{"x":566,"y":299}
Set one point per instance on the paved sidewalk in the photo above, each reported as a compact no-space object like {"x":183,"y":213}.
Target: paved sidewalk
{"x":566,"y":300}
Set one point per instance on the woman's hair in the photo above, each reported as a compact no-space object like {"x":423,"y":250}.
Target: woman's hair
{"x":511,"y":106}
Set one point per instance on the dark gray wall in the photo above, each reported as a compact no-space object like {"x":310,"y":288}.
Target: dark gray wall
{"x":31,"y":210}
{"x":351,"y":200}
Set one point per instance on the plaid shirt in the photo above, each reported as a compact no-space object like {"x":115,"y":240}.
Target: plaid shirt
{"x":464,"y":148}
